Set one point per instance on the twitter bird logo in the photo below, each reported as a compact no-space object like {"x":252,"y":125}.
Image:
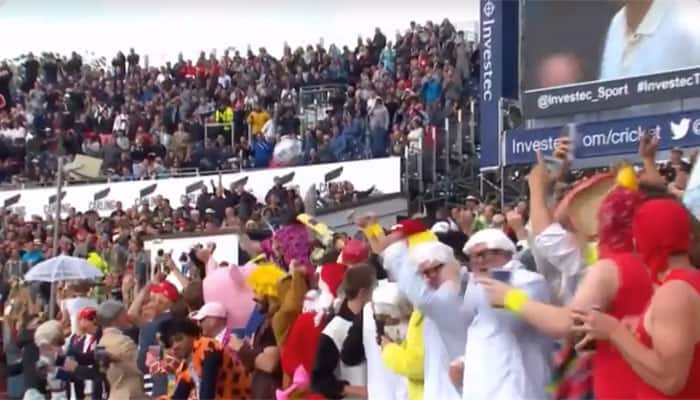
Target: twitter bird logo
{"x":679,"y":130}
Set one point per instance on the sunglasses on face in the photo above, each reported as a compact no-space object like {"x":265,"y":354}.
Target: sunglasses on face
{"x":483,"y":254}
{"x":428,"y":272}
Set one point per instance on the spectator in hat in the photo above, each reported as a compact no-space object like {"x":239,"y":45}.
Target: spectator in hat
{"x":355,"y":252}
{"x":124,"y":377}
{"x":261,"y":355}
{"x":76,"y":301}
{"x":212,"y":321}
{"x":80,"y":361}
{"x":162,"y":296}
{"x":472,"y":202}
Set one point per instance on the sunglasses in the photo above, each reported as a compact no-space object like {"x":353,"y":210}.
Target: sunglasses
{"x":484,"y":254}
{"x":427,"y":272}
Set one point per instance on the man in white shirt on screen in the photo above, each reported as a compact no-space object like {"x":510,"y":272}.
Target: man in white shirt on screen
{"x":652,"y":36}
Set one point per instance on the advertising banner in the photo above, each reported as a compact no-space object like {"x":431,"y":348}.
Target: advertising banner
{"x":608,"y":138}
{"x":180,"y":244}
{"x":491,"y":47}
{"x":384,"y":174}
{"x":579,"y":56}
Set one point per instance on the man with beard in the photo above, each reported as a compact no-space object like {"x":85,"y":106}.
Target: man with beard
{"x":261,"y":357}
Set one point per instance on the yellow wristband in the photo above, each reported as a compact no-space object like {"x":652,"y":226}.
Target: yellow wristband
{"x":373,"y":231}
{"x":515,"y":300}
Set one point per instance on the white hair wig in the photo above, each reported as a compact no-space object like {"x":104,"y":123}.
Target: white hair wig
{"x":493,"y":239}
{"x":48,"y":333}
{"x":432,"y":252}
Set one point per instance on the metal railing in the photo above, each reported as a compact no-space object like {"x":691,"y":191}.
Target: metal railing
{"x":219,"y":128}
{"x":314,"y":101}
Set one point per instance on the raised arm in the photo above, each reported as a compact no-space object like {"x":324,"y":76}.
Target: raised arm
{"x":433,"y":303}
{"x":595,"y":290}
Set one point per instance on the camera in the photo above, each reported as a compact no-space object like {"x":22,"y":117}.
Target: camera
{"x":102,"y":358}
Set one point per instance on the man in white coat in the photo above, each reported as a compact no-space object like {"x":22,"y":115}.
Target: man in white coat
{"x":505,"y":358}
{"x":428,"y":275}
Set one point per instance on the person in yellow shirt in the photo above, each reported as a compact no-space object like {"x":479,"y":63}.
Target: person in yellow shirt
{"x":406,"y":358}
{"x":257,"y":119}
{"x":224,"y":115}
{"x":98,"y":262}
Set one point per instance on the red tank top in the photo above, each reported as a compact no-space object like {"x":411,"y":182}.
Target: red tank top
{"x":692,"y":386}
{"x":612,"y":377}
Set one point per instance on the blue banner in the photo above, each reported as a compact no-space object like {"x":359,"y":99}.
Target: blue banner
{"x":491,"y":47}
{"x":610,"y":138}
{"x":499,"y":74}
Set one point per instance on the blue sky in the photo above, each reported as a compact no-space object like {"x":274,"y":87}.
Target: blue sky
{"x":162,"y":28}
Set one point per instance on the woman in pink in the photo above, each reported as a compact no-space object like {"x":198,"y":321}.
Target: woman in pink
{"x":618,"y":283}
{"x":664,"y":350}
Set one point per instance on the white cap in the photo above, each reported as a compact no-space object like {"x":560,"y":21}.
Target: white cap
{"x":440,"y":227}
{"x":493,"y":239}
{"x":387,"y":299}
{"x":211,"y":309}
{"x":433,"y":252}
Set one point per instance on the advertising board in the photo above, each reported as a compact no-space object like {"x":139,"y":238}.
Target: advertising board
{"x":608,"y":138}
{"x":589,"y":55}
{"x":384,"y":174}
{"x":226,"y":246}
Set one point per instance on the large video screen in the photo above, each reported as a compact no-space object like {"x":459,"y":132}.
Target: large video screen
{"x":588,"y":55}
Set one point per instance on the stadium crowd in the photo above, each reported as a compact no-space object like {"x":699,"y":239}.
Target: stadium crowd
{"x":312,"y":318}
{"x":149,"y":121}
{"x":587,"y":292}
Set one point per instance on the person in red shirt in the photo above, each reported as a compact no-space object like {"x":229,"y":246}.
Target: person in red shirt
{"x":190,"y":72}
{"x":214,"y":68}
{"x":664,"y":349}
{"x":299,"y":350}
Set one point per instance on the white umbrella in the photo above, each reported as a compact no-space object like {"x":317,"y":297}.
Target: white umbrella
{"x":62,"y":268}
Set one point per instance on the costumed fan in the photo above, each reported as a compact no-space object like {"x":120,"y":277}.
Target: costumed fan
{"x":227,"y":286}
{"x":421,"y":250}
{"x":411,"y":263}
{"x":299,"y":351}
{"x":264,"y":281}
{"x":584,"y":200}
{"x":613,"y":199}
{"x":386,"y":319}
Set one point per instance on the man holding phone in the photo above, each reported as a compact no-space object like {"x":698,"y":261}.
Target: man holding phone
{"x":504,"y":357}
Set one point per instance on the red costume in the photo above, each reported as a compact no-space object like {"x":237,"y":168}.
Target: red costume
{"x":661,"y":229}
{"x":613,"y":378}
{"x":300,"y":348}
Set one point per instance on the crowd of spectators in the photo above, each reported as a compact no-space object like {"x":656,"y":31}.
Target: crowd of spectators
{"x":118,"y":238}
{"x":147,"y":121}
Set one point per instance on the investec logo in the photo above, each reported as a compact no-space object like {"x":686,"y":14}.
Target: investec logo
{"x":487,"y":32}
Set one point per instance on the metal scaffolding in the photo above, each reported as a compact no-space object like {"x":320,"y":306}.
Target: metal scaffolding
{"x":314,"y":103}
{"x":442,"y":165}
